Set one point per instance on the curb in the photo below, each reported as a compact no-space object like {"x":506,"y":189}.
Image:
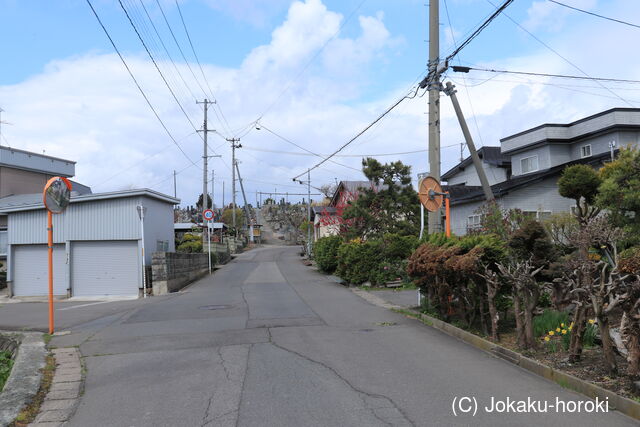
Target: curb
{"x":616,"y":402}
{"x":63,"y":396}
{"x":24,"y":382}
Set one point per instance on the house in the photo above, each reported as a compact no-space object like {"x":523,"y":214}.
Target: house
{"x":25,"y":172}
{"x":327,"y":220}
{"x":98,"y":242}
{"x":525,"y":173}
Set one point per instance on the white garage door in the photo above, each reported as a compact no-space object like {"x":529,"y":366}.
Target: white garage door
{"x":104,"y":268}
{"x":31,"y":270}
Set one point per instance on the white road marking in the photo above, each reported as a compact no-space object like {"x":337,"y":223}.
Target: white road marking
{"x":83,"y":305}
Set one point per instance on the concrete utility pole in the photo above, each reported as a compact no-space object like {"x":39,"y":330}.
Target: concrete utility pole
{"x":434,"y":103}
{"x":309,"y":213}
{"x":205,"y":158}
{"x":488,"y":194}
{"x":175,"y":193}
{"x":223,"y":206}
{"x":247,"y":213}
{"x":233,"y":142}
{"x":212,"y":199}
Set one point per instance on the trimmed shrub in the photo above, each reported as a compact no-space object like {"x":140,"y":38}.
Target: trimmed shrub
{"x":190,"y":246}
{"x":358,"y":261}
{"x":326,"y":253}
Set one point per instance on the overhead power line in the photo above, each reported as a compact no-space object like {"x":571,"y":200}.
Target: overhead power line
{"x":561,"y":56}
{"x":184,"y":25}
{"x":343,"y":146}
{"x":156,"y":65}
{"x":302,"y":148}
{"x":144,"y":95}
{"x":482,"y":26}
{"x":462,"y":69}
{"x":594,"y":14}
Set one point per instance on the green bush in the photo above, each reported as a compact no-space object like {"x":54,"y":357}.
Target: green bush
{"x":188,"y":237}
{"x":358,"y":262}
{"x":396,"y":247}
{"x":377,"y":261}
{"x":326,"y":253}
{"x":190,"y":246}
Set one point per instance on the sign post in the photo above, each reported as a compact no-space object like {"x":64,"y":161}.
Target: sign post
{"x":56,"y":196}
{"x":208,"y":216}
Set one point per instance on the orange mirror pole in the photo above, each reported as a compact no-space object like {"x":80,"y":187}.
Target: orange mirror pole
{"x":50,"y":241}
{"x":447,"y":215}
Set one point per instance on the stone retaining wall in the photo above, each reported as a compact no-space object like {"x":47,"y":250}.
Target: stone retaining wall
{"x":172,"y":271}
{"x":24,"y":381}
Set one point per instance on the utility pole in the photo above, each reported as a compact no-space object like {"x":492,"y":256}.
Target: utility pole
{"x":247,"y":213}
{"x":309,"y":212}
{"x":434,"y":103}
{"x":205,"y":158}
{"x":233,"y":142}
{"x":175,"y":193}
{"x":223,"y":205}
{"x":212,"y":199}
{"x":488,"y":194}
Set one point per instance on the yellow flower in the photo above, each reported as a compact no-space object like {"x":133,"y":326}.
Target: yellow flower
{"x":551,"y":333}
{"x":546,"y":338}
{"x":562,"y":325}
{"x":557,"y":329}
{"x":564,"y":332}
{"x":570,"y":327}
{"x":592,"y":321}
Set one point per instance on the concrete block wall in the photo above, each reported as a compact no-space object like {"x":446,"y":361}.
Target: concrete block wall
{"x":172,"y":271}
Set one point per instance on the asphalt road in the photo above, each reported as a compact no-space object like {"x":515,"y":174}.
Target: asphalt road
{"x":266,"y":341}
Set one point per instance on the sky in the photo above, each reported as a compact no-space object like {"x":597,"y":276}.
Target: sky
{"x":289,"y":74}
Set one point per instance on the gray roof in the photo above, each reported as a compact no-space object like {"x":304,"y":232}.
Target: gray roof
{"x":354,"y":187}
{"x":186,"y":226}
{"x":489,"y":155}
{"x":27,"y":202}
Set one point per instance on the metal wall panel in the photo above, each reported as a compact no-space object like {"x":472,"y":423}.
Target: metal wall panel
{"x":111,"y":219}
{"x":158,"y":225}
{"x":31,"y":273}
{"x":105,"y":268}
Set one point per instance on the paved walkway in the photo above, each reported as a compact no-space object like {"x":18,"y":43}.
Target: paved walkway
{"x":62,"y":399}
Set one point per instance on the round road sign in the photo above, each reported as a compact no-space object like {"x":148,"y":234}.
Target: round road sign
{"x":208,"y":214}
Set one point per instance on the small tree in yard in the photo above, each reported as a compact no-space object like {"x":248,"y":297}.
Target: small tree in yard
{"x":630,"y":324}
{"x":619,"y":193}
{"x":391,"y":207}
{"x":580,"y":183}
{"x":595,"y":283}
{"x":520,"y":275}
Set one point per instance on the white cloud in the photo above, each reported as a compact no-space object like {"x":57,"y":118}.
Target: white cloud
{"x":550,"y":16}
{"x":86,"y":108}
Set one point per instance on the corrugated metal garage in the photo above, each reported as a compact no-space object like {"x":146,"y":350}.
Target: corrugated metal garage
{"x":98,"y":242}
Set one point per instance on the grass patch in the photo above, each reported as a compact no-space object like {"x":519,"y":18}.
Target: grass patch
{"x":30,"y":412}
{"x":6,"y":363}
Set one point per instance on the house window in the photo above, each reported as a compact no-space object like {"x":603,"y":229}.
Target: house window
{"x":585,"y":151}
{"x":3,"y":242}
{"x":162,"y":246}
{"x":529,"y":164}
{"x":474,"y":222}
